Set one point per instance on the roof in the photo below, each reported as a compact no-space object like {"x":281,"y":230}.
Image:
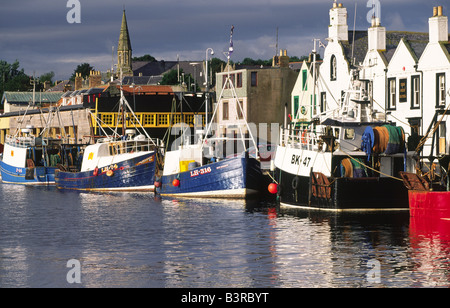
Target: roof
{"x":149,"y":89}
{"x":159,"y":68}
{"x":355,"y":49}
{"x":142,"y":80}
{"x":415,"y":41}
{"x":124,"y":38}
{"x":27,"y":97}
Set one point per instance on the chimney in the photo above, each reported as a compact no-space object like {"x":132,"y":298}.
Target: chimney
{"x":338,"y":29}
{"x":78,"y":81}
{"x":284,"y":59}
{"x":377,"y":36}
{"x":95,"y":79}
{"x":438,"y":25}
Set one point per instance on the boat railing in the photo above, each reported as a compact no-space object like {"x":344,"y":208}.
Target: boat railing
{"x":130,"y":146}
{"x":300,"y":138}
{"x":20,"y":141}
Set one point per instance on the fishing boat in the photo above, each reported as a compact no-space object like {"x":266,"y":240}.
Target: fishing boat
{"x":33,"y":160}
{"x":429,"y":185}
{"x":118,"y":162}
{"x":196,"y":170}
{"x":30,"y":160}
{"x":188,"y":173}
{"x":344,"y":159}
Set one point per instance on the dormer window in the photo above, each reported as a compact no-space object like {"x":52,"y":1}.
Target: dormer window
{"x":333,"y":68}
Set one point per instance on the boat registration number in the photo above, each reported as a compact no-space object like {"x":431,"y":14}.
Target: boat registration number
{"x":200,"y":171}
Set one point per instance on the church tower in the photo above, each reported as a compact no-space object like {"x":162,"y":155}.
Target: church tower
{"x":124,"y":51}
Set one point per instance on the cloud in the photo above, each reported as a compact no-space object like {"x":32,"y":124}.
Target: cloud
{"x":36,"y":32}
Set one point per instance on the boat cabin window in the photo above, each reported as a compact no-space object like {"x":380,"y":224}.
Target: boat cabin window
{"x":349,"y":134}
{"x":336,"y":133}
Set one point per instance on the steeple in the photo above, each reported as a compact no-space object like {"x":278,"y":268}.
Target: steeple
{"x":124,"y":51}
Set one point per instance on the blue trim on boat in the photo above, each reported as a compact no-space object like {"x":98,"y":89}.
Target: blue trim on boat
{"x":36,"y":176}
{"x":217,"y":179}
{"x":133,"y":174}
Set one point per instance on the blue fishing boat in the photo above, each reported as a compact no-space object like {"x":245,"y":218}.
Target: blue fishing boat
{"x":113,"y":165}
{"x":185,"y":175}
{"x":124,"y":162}
{"x":30,"y":160}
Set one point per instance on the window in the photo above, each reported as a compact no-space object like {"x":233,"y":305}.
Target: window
{"x":225,"y":113}
{"x":392,"y":97}
{"x":296,"y":106}
{"x":333,"y":68}
{"x":254,"y":79}
{"x":349,"y":134}
{"x":323,"y":101}
{"x":239,"y":80}
{"x":442,"y":140}
{"x":304,"y":79}
{"x":240,"y":109}
{"x":440,"y":90}
{"x":415,"y":92}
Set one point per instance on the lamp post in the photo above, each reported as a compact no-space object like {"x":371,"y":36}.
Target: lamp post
{"x":207,"y":83}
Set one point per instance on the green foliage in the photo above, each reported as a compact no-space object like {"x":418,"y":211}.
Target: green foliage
{"x":170,"y":78}
{"x":146,"y":58}
{"x":85,"y":70}
{"x":47,"y":77}
{"x":12,"y":78}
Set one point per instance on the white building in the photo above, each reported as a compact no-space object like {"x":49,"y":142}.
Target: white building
{"x":406,"y":72}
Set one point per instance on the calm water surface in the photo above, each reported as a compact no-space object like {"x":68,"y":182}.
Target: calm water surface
{"x":135,"y":240}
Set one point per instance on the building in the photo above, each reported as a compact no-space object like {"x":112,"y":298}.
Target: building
{"x":304,"y":97}
{"x":263,"y":97}
{"x":124,"y":50}
{"x":406,"y":73}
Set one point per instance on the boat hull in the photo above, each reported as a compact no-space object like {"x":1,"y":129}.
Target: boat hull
{"x":27,"y":176}
{"x":137,"y":174}
{"x":374,"y":193}
{"x":237,"y":177}
{"x":432,"y":204}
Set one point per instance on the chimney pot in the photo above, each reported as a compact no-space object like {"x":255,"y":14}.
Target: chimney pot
{"x":435,"y":11}
{"x":439,"y":9}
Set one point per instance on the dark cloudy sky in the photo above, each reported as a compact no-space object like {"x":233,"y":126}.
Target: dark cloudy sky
{"x":36,"y":32}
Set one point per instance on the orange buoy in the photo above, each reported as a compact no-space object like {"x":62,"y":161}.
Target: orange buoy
{"x":109,"y":173}
{"x":176,"y":182}
{"x":273,"y":188}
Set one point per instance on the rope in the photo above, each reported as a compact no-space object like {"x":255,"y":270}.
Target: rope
{"x":361,"y":163}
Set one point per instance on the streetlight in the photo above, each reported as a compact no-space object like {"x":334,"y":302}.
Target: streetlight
{"x":207,"y":83}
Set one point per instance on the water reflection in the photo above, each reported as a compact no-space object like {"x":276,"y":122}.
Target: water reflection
{"x":430,"y":245}
{"x":137,"y":240}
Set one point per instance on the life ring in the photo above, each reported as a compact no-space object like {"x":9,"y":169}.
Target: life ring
{"x":295,"y":183}
{"x":95,"y":171}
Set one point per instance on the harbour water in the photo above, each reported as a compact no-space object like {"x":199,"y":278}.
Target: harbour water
{"x":137,"y":240}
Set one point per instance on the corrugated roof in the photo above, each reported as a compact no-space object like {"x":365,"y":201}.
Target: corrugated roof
{"x":27,"y":97}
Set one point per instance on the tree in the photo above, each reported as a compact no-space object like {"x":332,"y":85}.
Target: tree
{"x":146,"y":58}
{"x":171,"y":78}
{"x":85,"y":70}
{"x":47,"y":77}
{"x":216,"y":66}
{"x":12,"y":78}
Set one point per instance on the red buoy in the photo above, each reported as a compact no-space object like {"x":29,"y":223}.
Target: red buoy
{"x":273,"y":188}
{"x":157,"y":184}
{"x":176,"y":182}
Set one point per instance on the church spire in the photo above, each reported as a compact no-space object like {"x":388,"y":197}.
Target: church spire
{"x":124,"y":51}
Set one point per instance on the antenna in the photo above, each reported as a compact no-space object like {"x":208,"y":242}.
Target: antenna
{"x":276,"y":47}
{"x":354,"y":29}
